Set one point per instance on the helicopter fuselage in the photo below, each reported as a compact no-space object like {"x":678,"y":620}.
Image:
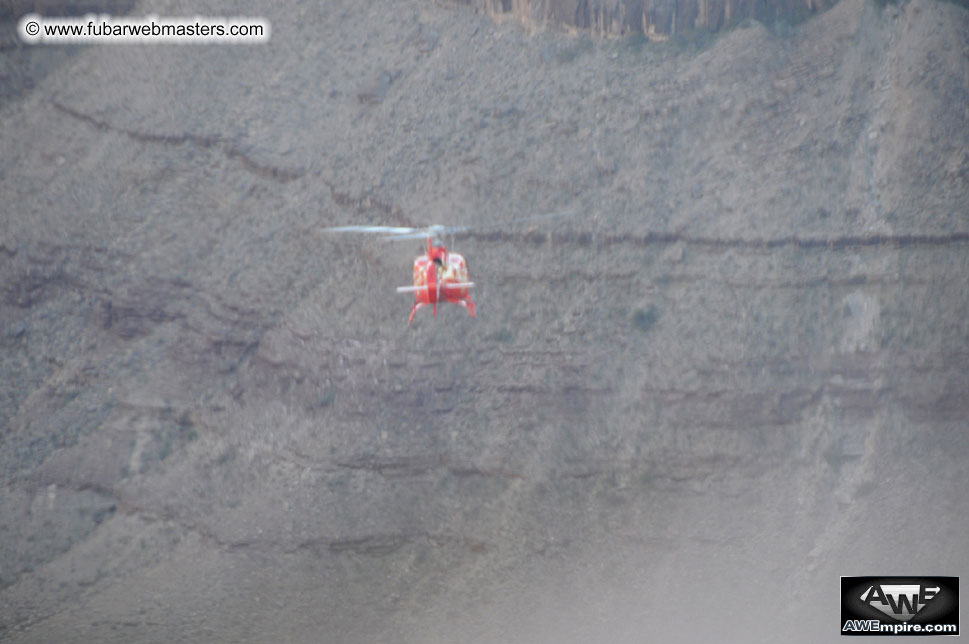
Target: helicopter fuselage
{"x":437,"y":275}
{"x":440,"y":276}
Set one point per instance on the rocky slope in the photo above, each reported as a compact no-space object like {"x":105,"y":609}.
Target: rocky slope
{"x":738,"y":372}
{"x":655,"y":19}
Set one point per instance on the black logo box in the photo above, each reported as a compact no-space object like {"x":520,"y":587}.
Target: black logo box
{"x":942,"y":608}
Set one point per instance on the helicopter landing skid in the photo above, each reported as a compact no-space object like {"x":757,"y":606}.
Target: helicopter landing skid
{"x":467,"y":303}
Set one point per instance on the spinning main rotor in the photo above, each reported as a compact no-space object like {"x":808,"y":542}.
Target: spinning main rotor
{"x":437,"y":232}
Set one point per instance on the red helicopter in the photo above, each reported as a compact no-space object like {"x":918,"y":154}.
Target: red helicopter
{"x":439,"y":275}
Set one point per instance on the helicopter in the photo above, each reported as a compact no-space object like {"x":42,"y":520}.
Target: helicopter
{"x":439,"y":275}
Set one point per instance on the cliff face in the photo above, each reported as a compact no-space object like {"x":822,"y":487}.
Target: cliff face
{"x":736,"y":373}
{"x":656,"y":19}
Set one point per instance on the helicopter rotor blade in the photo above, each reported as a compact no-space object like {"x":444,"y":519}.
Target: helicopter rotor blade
{"x":384,"y":230}
{"x":392,"y":233}
{"x":440,"y":231}
{"x":433,"y":231}
{"x":420,"y":234}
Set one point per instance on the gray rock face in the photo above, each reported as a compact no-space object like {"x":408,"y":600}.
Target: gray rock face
{"x":656,"y":19}
{"x":736,"y":373}
{"x":12,"y":10}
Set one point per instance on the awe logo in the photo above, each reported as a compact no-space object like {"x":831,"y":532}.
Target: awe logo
{"x":899,"y":601}
{"x":899,"y":605}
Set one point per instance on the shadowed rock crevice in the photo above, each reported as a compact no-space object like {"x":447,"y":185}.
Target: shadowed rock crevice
{"x":835,"y":243}
{"x":228,"y":148}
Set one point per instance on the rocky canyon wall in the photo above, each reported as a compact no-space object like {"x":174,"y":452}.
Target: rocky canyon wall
{"x":656,"y":19}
